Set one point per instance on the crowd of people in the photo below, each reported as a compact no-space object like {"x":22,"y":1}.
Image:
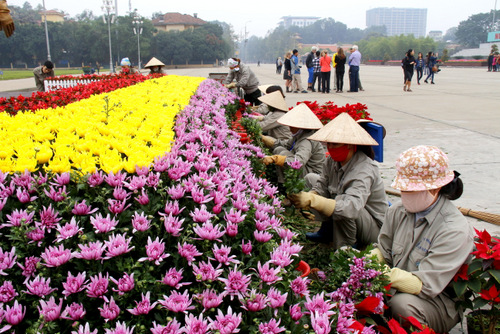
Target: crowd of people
{"x":320,"y":65}
{"x":423,"y":66}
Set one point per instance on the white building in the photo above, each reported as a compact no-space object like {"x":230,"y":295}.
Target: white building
{"x":299,"y":21}
{"x":399,"y":21}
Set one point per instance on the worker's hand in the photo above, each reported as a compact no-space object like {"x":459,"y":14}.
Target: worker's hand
{"x":268,"y":141}
{"x":6,"y":22}
{"x":231,"y":85}
{"x":308,"y":215}
{"x":311,"y":200}
{"x":404,"y":281}
{"x":259,"y":118}
{"x":376,"y":251}
{"x":274,"y":159}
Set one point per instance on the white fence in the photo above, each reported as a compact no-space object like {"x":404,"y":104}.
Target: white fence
{"x":58,"y":84}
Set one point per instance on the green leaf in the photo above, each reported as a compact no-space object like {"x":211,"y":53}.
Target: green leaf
{"x":495,"y":274}
{"x":460,"y":287}
{"x":474,"y":285}
{"x":474,"y":266}
{"x":480,"y":302}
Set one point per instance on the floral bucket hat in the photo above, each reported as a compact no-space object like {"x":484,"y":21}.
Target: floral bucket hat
{"x":422,"y":168}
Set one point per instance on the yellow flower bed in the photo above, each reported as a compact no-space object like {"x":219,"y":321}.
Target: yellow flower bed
{"x":117,"y":130}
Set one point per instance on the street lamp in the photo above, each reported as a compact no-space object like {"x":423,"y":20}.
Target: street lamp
{"x":46,"y":31}
{"x":107,"y":8}
{"x":137,"y":22}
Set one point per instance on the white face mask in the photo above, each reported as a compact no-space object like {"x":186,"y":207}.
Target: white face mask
{"x":236,"y":69}
{"x":416,"y":201}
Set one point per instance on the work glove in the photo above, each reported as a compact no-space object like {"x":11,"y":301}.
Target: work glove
{"x":259,"y":118}
{"x":404,"y":281}
{"x":376,"y":251}
{"x":311,"y":200}
{"x":268,"y":141}
{"x":274,"y":159}
{"x":6,"y":22}
{"x":231,"y":85}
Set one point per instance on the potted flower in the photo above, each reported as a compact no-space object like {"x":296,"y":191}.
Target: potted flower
{"x":477,"y":284}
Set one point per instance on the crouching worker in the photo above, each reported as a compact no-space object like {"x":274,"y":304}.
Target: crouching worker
{"x":277,"y":108}
{"x":302,"y":123}
{"x":349,"y":196}
{"x":245,"y":79}
{"x":425,"y":239}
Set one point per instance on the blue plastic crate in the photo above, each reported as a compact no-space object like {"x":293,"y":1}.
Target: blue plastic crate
{"x":377,"y":133}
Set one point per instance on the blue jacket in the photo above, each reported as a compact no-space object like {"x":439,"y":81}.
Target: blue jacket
{"x":295,"y":65}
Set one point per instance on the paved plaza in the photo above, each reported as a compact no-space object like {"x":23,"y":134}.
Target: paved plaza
{"x":460,"y":114}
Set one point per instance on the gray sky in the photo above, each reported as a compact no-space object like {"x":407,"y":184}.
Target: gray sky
{"x":260,"y":16}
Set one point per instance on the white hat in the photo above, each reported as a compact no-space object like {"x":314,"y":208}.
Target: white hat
{"x":232,"y":63}
{"x":154,"y":62}
{"x":125,"y":62}
{"x":275,"y":100}
{"x":301,"y":117}
{"x":343,"y":130}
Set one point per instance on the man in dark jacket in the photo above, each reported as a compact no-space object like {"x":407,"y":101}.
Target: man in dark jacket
{"x":41,"y":73}
{"x":310,"y":68}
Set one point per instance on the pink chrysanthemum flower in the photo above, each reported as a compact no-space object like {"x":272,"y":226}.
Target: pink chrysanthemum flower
{"x":195,"y":325}
{"x":299,"y":286}
{"x":267,"y":274}
{"x":144,"y":306}
{"x":14,"y":314}
{"x":74,"y":284}
{"x":109,"y":310}
{"x":320,"y":323}
{"x":255,"y":302}
{"x":74,"y":312}
{"x":103,"y":224}
{"x":7,"y":260}
{"x":236,"y":284}
{"x":207,"y":231}
{"x":82,"y":209}
{"x":117,"y":245}
{"x":85,"y":330}
{"x":98,"y":286}
{"x":177,"y":302}
{"x":121,"y":328}
{"x":56,"y":256}
{"x":188,"y":251}
{"x":125,"y":283}
{"x":7,"y":292}
{"x":68,"y":230}
{"x":271,"y":327}
{"x":226,"y":323}
{"x":209,"y":298}
{"x":172,"y":327}
{"x":140,"y":222}
{"x":155,"y":251}
{"x":91,"y":251}
{"x":50,"y":310}
{"x":173,"y":277}
{"x":40,"y":287}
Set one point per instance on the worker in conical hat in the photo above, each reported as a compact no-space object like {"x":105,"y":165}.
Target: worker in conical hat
{"x":425,"y":239}
{"x":349,"y":196}
{"x":126,"y":67}
{"x":275,"y":104}
{"x":155,"y":66}
{"x":311,"y":154}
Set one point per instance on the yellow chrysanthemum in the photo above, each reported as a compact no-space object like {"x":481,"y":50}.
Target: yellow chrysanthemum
{"x":133,"y":127}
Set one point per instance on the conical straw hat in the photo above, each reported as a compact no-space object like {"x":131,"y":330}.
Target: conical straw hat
{"x":154,"y":62}
{"x":301,"y":117}
{"x":263,"y":88}
{"x":343,"y":130}
{"x":275,"y":100}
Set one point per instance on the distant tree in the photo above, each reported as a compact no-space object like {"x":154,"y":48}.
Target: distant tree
{"x":156,"y":15}
{"x":450,"y":35}
{"x":474,"y":30}
{"x":86,"y":15}
{"x":25,"y":14}
{"x":494,"y":48}
{"x":394,"y":47}
{"x":445,"y":55}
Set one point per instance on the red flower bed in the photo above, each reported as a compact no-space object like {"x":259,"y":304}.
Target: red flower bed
{"x":62,"y":97}
{"x":329,"y":110}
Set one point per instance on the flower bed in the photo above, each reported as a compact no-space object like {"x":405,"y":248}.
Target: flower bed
{"x":329,"y":110}
{"x":62,"y":97}
{"x":193,"y":243}
{"x":126,"y":128}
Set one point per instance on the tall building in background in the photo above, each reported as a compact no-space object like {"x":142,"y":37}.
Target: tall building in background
{"x":399,"y":21}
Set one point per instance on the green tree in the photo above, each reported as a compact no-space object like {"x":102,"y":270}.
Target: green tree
{"x":473,"y":31}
